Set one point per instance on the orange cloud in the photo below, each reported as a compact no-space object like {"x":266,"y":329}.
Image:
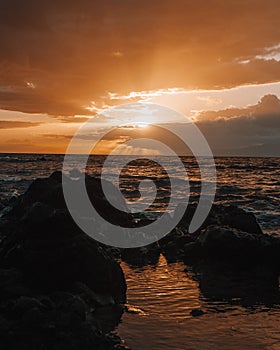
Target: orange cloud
{"x":8,"y":124}
{"x":57,"y":58}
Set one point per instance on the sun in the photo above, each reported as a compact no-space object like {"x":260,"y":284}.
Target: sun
{"x":141,"y":125}
{"x":137,"y":125}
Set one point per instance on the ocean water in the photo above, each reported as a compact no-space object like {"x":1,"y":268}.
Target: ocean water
{"x":250,"y":183}
{"x":162,"y":295}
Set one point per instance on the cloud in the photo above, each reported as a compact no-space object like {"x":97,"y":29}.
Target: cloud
{"x":253,"y":130}
{"x":57,"y":136}
{"x":250,"y":131}
{"x":270,"y":53}
{"x":57,"y":57}
{"x":7,"y":124}
{"x":268,"y":105}
{"x":73,"y":119}
{"x":28,"y":100}
{"x":210,"y":101}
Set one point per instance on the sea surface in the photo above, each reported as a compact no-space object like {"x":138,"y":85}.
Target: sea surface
{"x":162,"y":295}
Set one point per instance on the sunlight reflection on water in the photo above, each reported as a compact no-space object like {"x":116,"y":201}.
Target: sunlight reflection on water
{"x":167,"y":294}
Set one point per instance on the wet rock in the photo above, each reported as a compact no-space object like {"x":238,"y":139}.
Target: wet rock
{"x":54,"y":279}
{"x":47,"y":246}
{"x":56,"y":321}
{"x":225,"y":281}
{"x":192,"y":252}
{"x":5,"y":326}
{"x":92,"y":298}
{"x":229,"y":244}
{"x":238,"y":247}
{"x":221,"y":215}
{"x":134,"y":310}
{"x":173,"y":245}
{"x":49,"y":191}
{"x":2,"y":204}
{"x":228,"y":232}
{"x":24,"y":304}
{"x":141,"y":256}
{"x":237,"y":218}
{"x":108,"y":317}
{"x":197,"y":312}
{"x":12,"y":284}
{"x":70,"y":310}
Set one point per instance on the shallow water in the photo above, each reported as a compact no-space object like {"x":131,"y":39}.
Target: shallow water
{"x":165,"y":295}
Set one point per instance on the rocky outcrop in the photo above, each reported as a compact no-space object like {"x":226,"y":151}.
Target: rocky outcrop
{"x":247,"y":285}
{"x":225,"y":243}
{"x":224,"y":215}
{"x":229,"y":233}
{"x":54,"y":279}
{"x":234,"y":217}
{"x":229,"y":256}
{"x":137,"y":257}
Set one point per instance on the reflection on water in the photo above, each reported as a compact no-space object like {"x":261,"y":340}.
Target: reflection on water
{"x":167,"y":293}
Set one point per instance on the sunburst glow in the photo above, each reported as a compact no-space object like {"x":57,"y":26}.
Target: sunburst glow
{"x":141,"y":125}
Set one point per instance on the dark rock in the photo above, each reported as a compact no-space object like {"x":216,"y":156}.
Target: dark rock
{"x":24,"y":304}
{"x":108,"y":317}
{"x":47,"y":246}
{"x":2,"y":204}
{"x":141,"y":256}
{"x":238,"y":218}
{"x":13,"y":284}
{"x":228,"y":234}
{"x":221,"y":215}
{"x":58,"y":321}
{"x":238,"y":247}
{"x":224,"y":281}
{"x":230,"y":244}
{"x":5,"y":326}
{"x":192,"y":252}
{"x":173,"y":245}
{"x":196,"y":312}
{"x":92,"y":298}
{"x":55,"y":281}
{"x":75,"y":173}
{"x":49,"y":192}
{"x":243,"y":236}
{"x":70,"y":310}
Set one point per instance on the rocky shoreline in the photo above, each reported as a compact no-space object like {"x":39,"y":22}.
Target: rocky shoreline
{"x":229,"y":255}
{"x":60,"y":289}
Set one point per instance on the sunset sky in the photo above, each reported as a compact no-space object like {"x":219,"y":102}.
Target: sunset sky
{"x":63,"y":62}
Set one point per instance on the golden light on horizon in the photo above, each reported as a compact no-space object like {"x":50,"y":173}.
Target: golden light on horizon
{"x":141,"y":125}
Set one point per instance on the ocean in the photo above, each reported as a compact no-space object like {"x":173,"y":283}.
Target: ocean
{"x":250,"y":183}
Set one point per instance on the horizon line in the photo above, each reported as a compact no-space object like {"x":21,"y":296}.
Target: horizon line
{"x":140,"y":155}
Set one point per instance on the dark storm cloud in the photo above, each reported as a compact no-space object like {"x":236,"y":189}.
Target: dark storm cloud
{"x":268,"y":106}
{"x":254,"y":130}
{"x":60,"y":55}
